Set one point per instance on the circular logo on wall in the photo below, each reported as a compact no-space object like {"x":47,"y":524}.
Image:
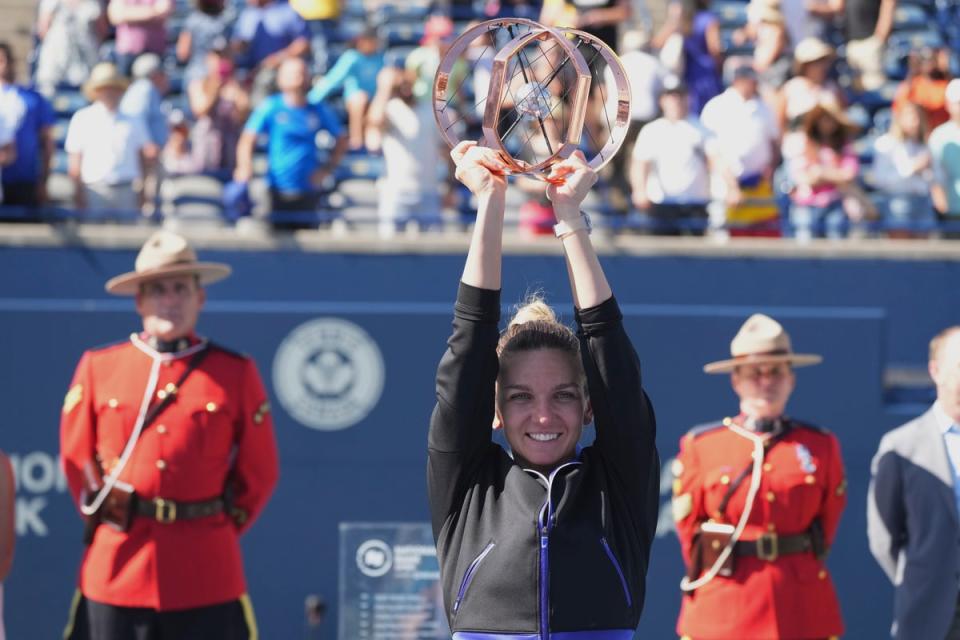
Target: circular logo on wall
{"x":374,"y":558}
{"x":328,"y":373}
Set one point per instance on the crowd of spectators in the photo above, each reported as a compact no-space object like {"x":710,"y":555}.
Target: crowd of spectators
{"x":759,"y":117}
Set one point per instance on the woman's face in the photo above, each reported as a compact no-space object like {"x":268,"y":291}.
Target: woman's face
{"x":826,"y":125}
{"x":818,"y":70}
{"x":764,"y":389}
{"x":542,"y":407}
{"x":909,"y":122}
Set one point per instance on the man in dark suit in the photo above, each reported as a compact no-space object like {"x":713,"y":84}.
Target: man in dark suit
{"x":912,"y":506}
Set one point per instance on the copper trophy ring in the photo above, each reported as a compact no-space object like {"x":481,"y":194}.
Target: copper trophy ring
{"x":535,"y":93}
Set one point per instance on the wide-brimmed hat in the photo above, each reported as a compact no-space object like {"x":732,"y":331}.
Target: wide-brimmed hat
{"x":810,"y":50}
{"x":166,"y":254}
{"x":809,"y":119}
{"x":761,"y":340}
{"x":103,"y":75}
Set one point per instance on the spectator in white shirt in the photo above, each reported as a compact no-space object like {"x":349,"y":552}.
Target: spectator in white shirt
{"x":8,"y":145}
{"x":672,"y":160}
{"x":645,"y":74}
{"x":903,"y":174}
{"x":404,"y":128}
{"x":748,"y":142}
{"x":108,"y":150}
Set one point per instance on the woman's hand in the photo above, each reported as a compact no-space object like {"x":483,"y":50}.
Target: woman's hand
{"x":480,"y":169}
{"x":569,"y":183}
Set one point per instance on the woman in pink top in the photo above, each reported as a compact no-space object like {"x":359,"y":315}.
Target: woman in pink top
{"x":823,"y":169}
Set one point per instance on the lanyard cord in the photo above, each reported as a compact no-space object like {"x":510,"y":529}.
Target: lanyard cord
{"x":111,"y":480}
{"x":688,"y":585}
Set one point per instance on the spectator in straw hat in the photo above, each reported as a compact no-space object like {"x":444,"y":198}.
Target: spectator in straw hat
{"x":811,"y":85}
{"x":168,"y":439}
{"x":824,"y":169}
{"x":757,"y":499}
{"x":109,"y":151}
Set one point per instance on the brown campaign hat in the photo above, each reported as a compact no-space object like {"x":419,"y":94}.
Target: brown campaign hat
{"x":166,"y":254}
{"x":761,"y":340}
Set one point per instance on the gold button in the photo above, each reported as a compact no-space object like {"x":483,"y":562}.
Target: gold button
{"x":258,"y":418}
{"x":823,"y":574}
{"x":161,"y":429}
{"x":211,"y":406}
{"x":161,"y":464}
{"x":161,"y":394}
{"x":171,"y":388}
{"x":767,"y":466}
{"x":810,"y":480}
{"x":724,"y":479}
{"x":113,"y":403}
{"x":770,"y":496}
{"x":715,"y":544}
{"x":727,"y":422}
{"x":771,"y":527}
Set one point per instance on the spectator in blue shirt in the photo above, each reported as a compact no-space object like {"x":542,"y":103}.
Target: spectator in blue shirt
{"x":291,"y":124}
{"x":144,"y":97}
{"x":356,"y":72}
{"x":267,"y":33}
{"x":31,"y":117}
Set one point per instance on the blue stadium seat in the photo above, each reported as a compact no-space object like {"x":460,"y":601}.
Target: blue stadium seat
{"x":882,"y":120}
{"x":730,"y":12}
{"x":910,"y":17}
{"x":60,"y":131}
{"x":400,"y":35}
{"x":66,"y":103}
{"x":359,"y":167}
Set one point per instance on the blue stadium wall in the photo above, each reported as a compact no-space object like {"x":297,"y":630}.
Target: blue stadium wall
{"x":863,"y":314}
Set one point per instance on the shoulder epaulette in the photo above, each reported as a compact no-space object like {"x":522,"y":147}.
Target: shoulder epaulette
{"x":797,"y":424}
{"x":706,"y":427}
{"x":110,"y":345}
{"x":230,"y":352}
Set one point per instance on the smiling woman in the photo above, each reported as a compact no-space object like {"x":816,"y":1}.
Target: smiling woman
{"x":544,"y":540}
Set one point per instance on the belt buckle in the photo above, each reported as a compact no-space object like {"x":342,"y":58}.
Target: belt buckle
{"x":768,"y":547}
{"x":165,"y":512}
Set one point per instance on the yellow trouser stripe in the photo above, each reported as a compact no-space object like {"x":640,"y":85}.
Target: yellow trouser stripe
{"x":249,"y":616}
{"x":72,"y":617}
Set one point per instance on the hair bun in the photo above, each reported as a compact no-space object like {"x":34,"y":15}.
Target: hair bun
{"x":534,"y":309}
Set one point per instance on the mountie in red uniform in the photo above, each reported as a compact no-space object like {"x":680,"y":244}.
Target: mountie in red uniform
{"x":779,"y":587}
{"x":212,"y":442}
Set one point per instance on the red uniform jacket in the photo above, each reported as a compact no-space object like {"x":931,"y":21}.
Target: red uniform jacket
{"x":217,"y":427}
{"x":793,"y":596}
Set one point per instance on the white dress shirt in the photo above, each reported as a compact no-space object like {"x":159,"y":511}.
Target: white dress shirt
{"x":109,"y":144}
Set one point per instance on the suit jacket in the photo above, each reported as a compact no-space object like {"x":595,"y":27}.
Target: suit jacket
{"x":914,"y":529}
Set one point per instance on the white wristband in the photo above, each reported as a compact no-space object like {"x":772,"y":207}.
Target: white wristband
{"x":565,"y":228}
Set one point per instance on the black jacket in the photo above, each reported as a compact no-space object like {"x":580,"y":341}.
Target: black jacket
{"x":515,"y":556}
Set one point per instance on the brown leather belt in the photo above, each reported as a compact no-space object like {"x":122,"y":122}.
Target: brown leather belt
{"x":167,"y":511}
{"x":770,"y":546}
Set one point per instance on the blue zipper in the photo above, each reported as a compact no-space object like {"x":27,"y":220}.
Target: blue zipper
{"x":616,"y":565}
{"x":468,"y":576}
{"x":544,"y":585}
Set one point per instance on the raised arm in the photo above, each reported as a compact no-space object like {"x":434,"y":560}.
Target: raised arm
{"x":570,"y":182}
{"x":462,"y":422}
{"x":483,"y":172}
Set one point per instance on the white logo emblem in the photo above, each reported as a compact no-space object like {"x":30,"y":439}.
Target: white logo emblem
{"x":328,"y":374}
{"x":805,"y":459}
{"x":374,"y":558}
